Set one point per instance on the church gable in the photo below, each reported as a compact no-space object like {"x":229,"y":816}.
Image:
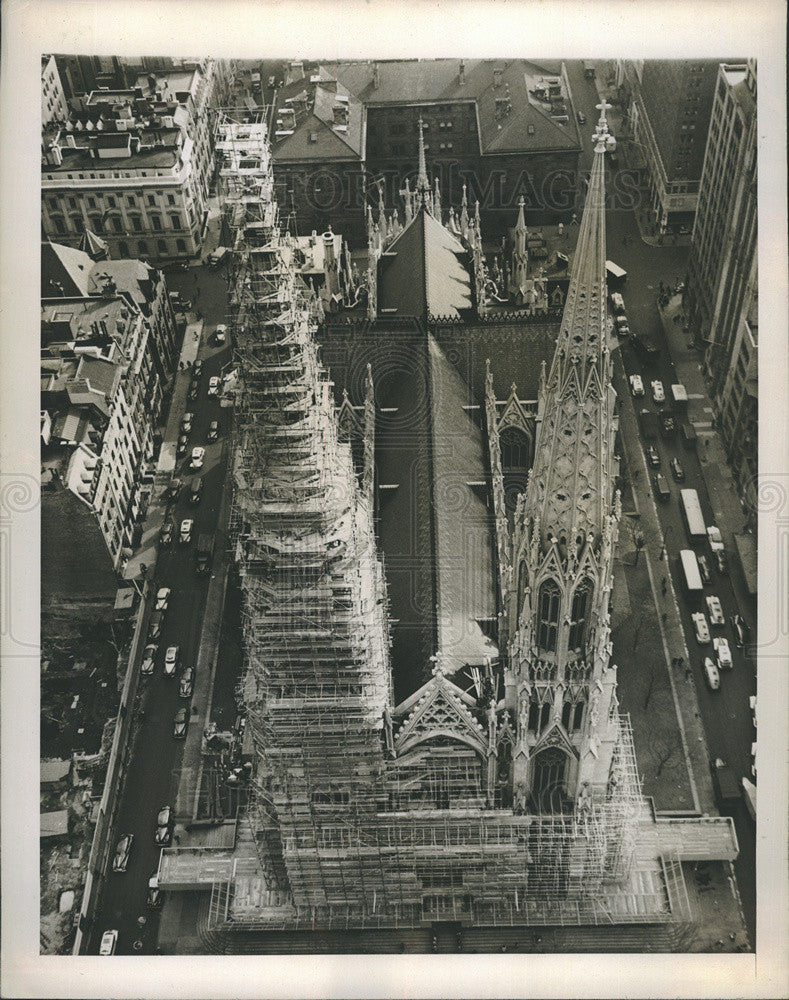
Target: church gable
{"x":439,"y":712}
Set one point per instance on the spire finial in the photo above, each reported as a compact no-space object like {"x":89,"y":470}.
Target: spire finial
{"x":602,"y":137}
{"x":520,"y":226}
{"x":422,"y":183}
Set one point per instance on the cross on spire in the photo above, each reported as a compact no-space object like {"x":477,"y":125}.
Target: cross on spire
{"x":602,"y":107}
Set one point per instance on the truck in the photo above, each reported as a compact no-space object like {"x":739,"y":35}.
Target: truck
{"x":679,"y":397}
{"x":216,"y":258}
{"x":205,"y":553}
{"x":616,"y":276}
{"x":725,"y":784}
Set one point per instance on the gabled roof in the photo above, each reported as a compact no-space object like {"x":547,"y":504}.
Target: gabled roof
{"x":423,"y":272}
{"x":315,"y":135}
{"x":438,"y":709}
{"x":69,"y":267}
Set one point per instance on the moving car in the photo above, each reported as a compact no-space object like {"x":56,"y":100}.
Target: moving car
{"x":617,"y":302}
{"x":621,"y":325}
{"x":715,"y":610}
{"x":186,"y":423}
{"x":186,"y":530}
{"x":677,"y":471}
{"x":180,"y":722}
{"x":183,"y":444}
{"x":720,"y":561}
{"x":704,"y":569}
{"x":197,"y":370}
{"x":166,"y":536}
{"x":155,"y":626}
{"x":220,"y":334}
{"x":148,"y":657}
{"x":581,"y":117}
{"x":658,"y":393}
{"x":109,"y":942}
{"x":155,"y":896}
{"x":722,"y":653}
{"x":667,"y":425}
{"x":194,"y":390}
{"x":213,"y":386}
{"x":636,"y":385}
{"x":196,"y":490}
{"x":662,"y":488}
{"x":741,"y":629}
{"x":653,"y":457}
{"x":187,"y":682}
{"x":162,"y":598}
{"x":171,"y":661}
{"x":711,"y":675}
{"x":213,"y":431}
{"x":701,"y":628}
{"x":198,"y":457}
{"x":164,"y":824}
{"x":122,"y":851}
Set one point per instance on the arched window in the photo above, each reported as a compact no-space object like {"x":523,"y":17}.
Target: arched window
{"x":162,"y":246}
{"x":539,"y":712}
{"x":117,"y":226}
{"x":516,"y":460}
{"x":59,"y":223}
{"x":123,"y":248}
{"x":582,"y":600}
{"x":572,"y":714}
{"x":548,"y":612}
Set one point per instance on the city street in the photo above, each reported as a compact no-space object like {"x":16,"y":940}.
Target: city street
{"x":154,"y":772}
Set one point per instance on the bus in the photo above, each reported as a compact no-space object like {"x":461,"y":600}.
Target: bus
{"x":692,"y":516}
{"x":690,"y":572}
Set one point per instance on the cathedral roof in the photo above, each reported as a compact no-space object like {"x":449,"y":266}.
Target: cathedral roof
{"x":423,"y":272}
{"x":570,"y":486}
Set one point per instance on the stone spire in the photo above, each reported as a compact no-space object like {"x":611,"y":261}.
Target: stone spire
{"x":464,"y":214}
{"x":520,"y":257}
{"x":436,"y":200}
{"x":407,"y":199}
{"x":422,"y":183}
{"x":571,"y":482}
{"x":381,"y":208}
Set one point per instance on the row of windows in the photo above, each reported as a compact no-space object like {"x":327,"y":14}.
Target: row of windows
{"x":540,"y":714}
{"x":548,"y":606}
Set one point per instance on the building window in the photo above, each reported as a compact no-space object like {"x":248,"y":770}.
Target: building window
{"x":77,"y":224}
{"x":548,"y":610}
{"x":72,"y":204}
{"x":580,"y":613}
{"x":151,"y":200}
{"x":59,"y":223}
{"x":180,"y":246}
{"x":143,"y":246}
{"x":96,"y":223}
{"x":162,"y":246}
{"x":110,"y":201}
{"x":170,"y":199}
{"x":91,"y":202}
{"x":131,"y":201}
{"x":136,"y":222}
{"x":156,"y":223}
{"x":176,"y":222}
{"x":116,"y":225}
{"x":539,"y":714}
{"x":123,"y":248}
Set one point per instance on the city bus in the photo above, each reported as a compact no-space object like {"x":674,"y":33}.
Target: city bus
{"x":692,"y":516}
{"x":690,"y":573}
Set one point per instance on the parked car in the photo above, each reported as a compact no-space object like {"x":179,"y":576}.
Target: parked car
{"x":122,"y":852}
{"x":741,"y":629}
{"x":711,"y":675}
{"x":722,"y":653}
{"x":155,"y":896}
{"x":677,"y":471}
{"x":187,"y":682}
{"x":581,"y":117}
{"x":636,"y":385}
{"x":173,"y":491}
{"x":667,"y":425}
{"x":197,"y":370}
{"x":213,"y":386}
{"x":186,"y":530}
{"x":198,"y":457}
{"x":658,"y":393}
{"x":213,"y":431}
{"x":701,"y":628}
{"x":653,"y":457}
{"x":186,"y":423}
{"x":162,"y":598}
{"x":148,"y":658}
{"x":180,"y":722}
{"x":720,"y":561}
{"x":662,"y":488}
{"x":621,"y":326}
{"x":704,"y":569}
{"x":716,"y":611}
{"x":166,"y":536}
{"x":196,"y":490}
{"x":109,"y":942}
{"x":617,"y":302}
{"x":155,"y":626}
{"x":194,"y":390}
{"x":220,"y":334}
{"x":183,"y":444}
{"x":171,"y":661}
{"x":164,"y":827}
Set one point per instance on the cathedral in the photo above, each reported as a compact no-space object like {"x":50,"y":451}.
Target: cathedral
{"x":425,"y":523}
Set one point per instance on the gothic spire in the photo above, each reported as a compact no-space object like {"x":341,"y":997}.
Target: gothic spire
{"x":570,"y":489}
{"x":422,"y":184}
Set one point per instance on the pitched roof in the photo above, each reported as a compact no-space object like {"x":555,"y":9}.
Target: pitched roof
{"x":64,"y":265}
{"x":54,"y":824}
{"x":423,"y":272}
{"x":417,"y":81}
{"x":315,"y":135}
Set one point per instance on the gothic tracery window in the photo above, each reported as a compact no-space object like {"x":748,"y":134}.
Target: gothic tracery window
{"x":582,"y":598}
{"x":548,"y":611}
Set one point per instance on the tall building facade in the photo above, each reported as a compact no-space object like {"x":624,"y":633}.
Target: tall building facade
{"x":134,"y":166}
{"x":669,"y":117}
{"x":53,"y":97}
{"x":722,"y":294}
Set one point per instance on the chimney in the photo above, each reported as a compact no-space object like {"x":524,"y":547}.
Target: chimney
{"x":497,"y":76}
{"x":376,"y":76}
{"x":462,"y":74}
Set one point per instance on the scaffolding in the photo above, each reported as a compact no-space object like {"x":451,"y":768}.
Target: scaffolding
{"x":339,"y":830}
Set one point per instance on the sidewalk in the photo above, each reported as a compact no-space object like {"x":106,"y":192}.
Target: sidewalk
{"x":147,"y":551}
{"x":727,"y":507}
{"x":671,"y":747}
